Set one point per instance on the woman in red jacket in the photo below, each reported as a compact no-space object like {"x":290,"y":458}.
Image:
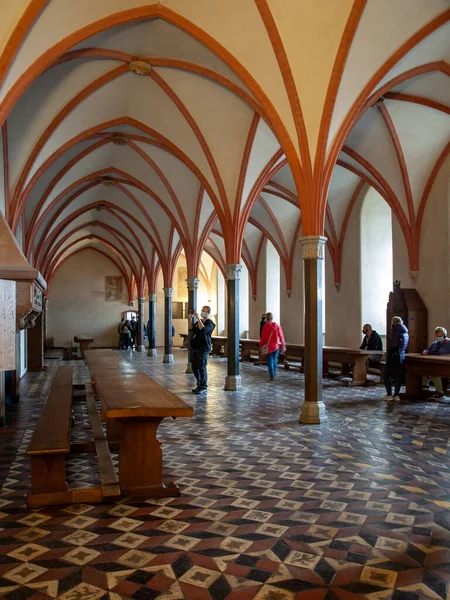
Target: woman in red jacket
{"x":272,"y":339}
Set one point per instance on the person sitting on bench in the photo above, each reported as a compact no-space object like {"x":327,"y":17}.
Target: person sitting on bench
{"x":371,"y":341}
{"x":440,"y":346}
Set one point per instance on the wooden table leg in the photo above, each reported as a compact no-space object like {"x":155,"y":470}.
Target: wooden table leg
{"x":140,"y":460}
{"x":83,"y":347}
{"x":413,"y":386}
{"x":360,"y":371}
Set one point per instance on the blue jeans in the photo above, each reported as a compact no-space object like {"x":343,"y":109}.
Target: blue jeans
{"x":272,"y":359}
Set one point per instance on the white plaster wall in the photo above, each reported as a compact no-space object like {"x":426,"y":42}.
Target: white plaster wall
{"x":343,"y":308}
{"x":433,"y":281}
{"x":244,"y":320}
{"x":77,"y":302}
{"x":221,"y":304}
{"x":376,"y":260}
{"x":292,"y":309}
{"x":273,"y":281}
{"x":2,"y":177}
{"x":400,"y":257}
{"x":259,"y":305}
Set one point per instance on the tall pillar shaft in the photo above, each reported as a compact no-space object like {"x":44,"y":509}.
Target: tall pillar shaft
{"x":313,"y":408}
{"x":233,"y":380}
{"x":140,"y":347}
{"x":168,"y":356}
{"x":151,"y":325}
{"x":192,"y":285}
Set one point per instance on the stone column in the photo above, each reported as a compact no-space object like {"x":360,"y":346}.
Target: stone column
{"x":313,"y":408}
{"x":140,"y":346}
{"x":151,"y":325}
{"x":192,"y":285}
{"x":168,"y":356}
{"x":233,"y":380}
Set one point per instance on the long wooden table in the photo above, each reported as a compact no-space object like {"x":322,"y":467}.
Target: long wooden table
{"x":140,"y":404}
{"x":295,"y":353}
{"x":344,"y":356}
{"x":417,"y":365}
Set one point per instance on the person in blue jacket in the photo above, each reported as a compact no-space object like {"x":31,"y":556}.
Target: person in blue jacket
{"x":441,"y":345}
{"x":395,"y":355}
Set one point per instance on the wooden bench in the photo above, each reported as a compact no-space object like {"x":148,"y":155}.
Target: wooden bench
{"x":353,"y":361}
{"x":417,"y":365}
{"x":69,"y":352}
{"x":219,"y":345}
{"x":139,"y":404}
{"x":50,"y":445}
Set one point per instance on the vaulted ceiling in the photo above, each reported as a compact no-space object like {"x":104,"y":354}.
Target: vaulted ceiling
{"x":144,"y":130}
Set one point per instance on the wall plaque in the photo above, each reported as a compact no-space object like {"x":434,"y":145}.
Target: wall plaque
{"x":113,"y":288}
{"x":7,"y":325}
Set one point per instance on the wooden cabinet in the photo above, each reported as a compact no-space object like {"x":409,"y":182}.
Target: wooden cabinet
{"x":407,"y":304}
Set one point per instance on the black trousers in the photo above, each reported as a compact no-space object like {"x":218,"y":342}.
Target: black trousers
{"x":393,"y":369}
{"x":199,"y":360}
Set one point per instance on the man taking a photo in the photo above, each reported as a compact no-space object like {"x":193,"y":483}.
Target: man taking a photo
{"x":202,"y":327}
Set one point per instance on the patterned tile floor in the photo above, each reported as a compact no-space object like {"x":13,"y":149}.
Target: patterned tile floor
{"x":355,"y":508}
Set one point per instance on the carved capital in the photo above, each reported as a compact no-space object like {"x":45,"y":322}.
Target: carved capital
{"x":141,"y":300}
{"x":168,"y":292}
{"x":21,"y":321}
{"x":414,"y":275}
{"x":233,"y":272}
{"x":152,"y":297}
{"x":313,"y":246}
{"x":192,"y":283}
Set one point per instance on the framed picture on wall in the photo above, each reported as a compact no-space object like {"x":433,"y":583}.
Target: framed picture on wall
{"x":177,"y":310}
{"x":113,"y":288}
{"x":182,"y":290}
{"x":186,"y":310}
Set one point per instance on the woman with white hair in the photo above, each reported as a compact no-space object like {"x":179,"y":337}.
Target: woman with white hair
{"x":441,"y":345}
{"x":395,"y":355}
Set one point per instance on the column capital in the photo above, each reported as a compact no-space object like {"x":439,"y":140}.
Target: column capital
{"x":233,"y":272}
{"x":313,"y":246}
{"x":141,"y":300}
{"x":192,"y":283}
{"x":152,"y":297}
{"x":168,"y":291}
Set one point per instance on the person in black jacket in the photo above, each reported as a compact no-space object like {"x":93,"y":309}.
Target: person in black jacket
{"x":371,"y":340}
{"x":395,"y":355}
{"x":202,"y":327}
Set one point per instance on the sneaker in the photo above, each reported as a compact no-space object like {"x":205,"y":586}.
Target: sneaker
{"x":396,"y":398}
{"x":271,"y":380}
{"x":195,"y":390}
{"x":389,"y":399}
{"x":201,"y":391}
{"x":437,"y":396}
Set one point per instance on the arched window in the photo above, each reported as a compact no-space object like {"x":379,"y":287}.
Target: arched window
{"x":273,"y":281}
{"x":376,"y":260}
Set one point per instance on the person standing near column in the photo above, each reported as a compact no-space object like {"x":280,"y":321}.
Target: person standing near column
{"x":201,"y":346}
{"x":272,"y":339}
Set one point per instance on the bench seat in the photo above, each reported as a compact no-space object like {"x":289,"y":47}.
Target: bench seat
{"x":50,"y":442}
